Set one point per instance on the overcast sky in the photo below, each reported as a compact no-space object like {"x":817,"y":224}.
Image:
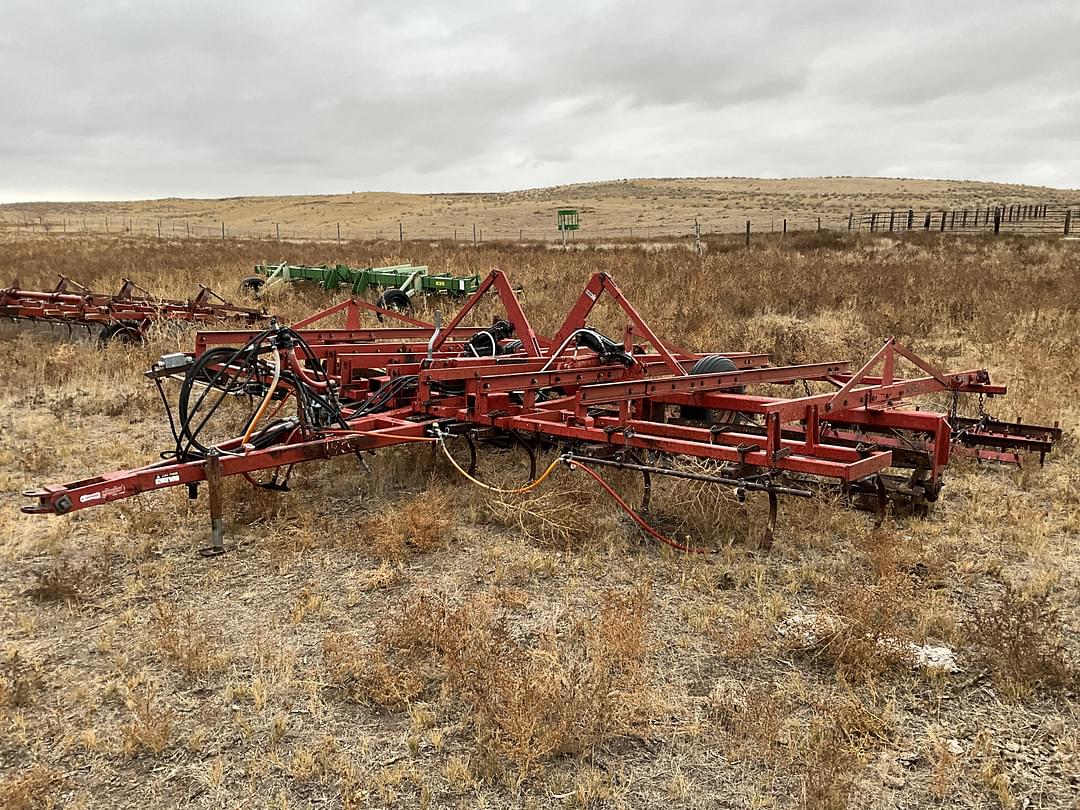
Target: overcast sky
{"x":118,"y":100}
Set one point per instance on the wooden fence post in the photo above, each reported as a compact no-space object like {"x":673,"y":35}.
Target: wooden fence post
{"x":222,"y":230}
{"x":748,"y":233}
{"x":401,"y":233}
{"x":873,"y":222}
{"x":339,"y":233}
{"x":997,"y":221}
{"x":926,"y":224}
{"x":910,"y":217}
{"x":943,"y":220}
{"x":1068,"y":220}
{"x":277,"y":230}
{"x":850,"y":216}
{"x":474,"y":233}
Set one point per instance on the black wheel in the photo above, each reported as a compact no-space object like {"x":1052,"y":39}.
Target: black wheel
{"x":713,"y":364}
{"x":252,"y":284}
{"x":395,"y":299}
{"x":121,"y":332}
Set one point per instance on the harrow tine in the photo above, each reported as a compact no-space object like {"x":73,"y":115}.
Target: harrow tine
{"x":527,"y":446}
{"x":646,"y":482}
{"x":882,"y":502}
{"x":770,"y":528}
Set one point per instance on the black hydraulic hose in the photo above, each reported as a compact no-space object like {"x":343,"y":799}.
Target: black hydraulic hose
{"x":184,"y":413}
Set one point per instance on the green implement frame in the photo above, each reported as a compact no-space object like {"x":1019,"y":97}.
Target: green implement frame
{"x":410,"y":280}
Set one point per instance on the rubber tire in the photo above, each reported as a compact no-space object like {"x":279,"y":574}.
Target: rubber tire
{"x":395,"y":299}
{"x":713,"y":364}
{"x":121,"y":332}
{"x":252,"y":284}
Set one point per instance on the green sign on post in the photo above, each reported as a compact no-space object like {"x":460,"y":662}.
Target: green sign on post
{"x":568,"y":221}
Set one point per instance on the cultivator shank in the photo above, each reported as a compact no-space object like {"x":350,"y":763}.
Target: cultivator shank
{"x":636,"y":402}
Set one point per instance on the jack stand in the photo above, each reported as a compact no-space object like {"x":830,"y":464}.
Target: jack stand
{"x":217,"y":522}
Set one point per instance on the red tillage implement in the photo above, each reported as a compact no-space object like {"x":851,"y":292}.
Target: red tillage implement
{"x":640,"y":403}
{"x":123,"y":317}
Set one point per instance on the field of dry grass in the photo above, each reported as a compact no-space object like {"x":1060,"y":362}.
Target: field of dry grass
{"x":396,"y":638}
{"x":641,"y":208}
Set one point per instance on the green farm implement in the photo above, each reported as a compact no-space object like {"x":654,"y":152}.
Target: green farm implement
{"x":399,"y":283}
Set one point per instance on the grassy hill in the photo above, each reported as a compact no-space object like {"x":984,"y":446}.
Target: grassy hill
{"x":648,"y":206}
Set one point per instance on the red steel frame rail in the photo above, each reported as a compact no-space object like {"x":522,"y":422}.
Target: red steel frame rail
{"x":640,"y":398}
{"x":75,"y":305}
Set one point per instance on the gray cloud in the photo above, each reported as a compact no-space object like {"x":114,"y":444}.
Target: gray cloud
{"x":125,"y":99}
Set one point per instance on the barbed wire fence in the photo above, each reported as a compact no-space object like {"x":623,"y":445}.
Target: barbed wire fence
{"x":1016,"y":218}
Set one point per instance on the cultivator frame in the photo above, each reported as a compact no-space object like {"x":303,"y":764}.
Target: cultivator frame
{"x":639,"y":403}
{"x":125,"y":316}
{"x":407,"y":280}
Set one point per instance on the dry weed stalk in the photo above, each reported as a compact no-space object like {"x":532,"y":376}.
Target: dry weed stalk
{"x":575,"y":686}
{"x":32,"y":789}
{"x":1020,"y":638}
{"x":556,"y":516}
{"x":20,"y":678}
{"x":184,"y":642}
{"x":866,"y":629}
{"x":151,"y":725}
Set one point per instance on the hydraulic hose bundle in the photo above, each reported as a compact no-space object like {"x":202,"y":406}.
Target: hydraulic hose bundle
{"x":274,"y":364}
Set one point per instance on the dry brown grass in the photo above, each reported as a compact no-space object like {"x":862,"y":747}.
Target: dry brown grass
{"x":1020,"y":634}
{"x":410,"y":524}
{"x":650,"y":206}
{"x":574,"y":685}
{"x":399,"y":638}
{"x":31,"y":790}
{"x":184,"y":642}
